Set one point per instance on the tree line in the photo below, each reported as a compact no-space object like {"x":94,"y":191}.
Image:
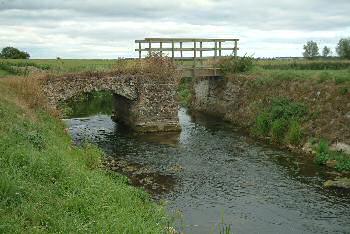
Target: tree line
{"x":311,"y":49}
{"x":13,"y":53}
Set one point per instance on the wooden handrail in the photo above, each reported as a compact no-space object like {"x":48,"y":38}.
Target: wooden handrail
{"x":177,"y":45}
{"x":216,"y":46}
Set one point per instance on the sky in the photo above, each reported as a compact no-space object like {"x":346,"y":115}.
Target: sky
{"x":108,"y":28}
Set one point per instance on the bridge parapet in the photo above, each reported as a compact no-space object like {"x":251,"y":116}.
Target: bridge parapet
{"x":190,"y":53}
{"x":142,"y":103}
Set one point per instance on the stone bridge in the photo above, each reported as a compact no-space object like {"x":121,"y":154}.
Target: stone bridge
{"x":142,"y":103}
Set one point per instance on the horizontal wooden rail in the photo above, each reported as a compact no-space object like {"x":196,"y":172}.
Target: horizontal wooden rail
{"x":193,"y":45}
{"x":169,"y":40}
{"x":182,"y":49}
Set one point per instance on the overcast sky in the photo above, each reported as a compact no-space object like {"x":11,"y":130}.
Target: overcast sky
{"x":108,"y":28}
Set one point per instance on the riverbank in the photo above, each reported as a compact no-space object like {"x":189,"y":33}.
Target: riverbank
{"x":49,"y":185}
{"x":306,"y":111}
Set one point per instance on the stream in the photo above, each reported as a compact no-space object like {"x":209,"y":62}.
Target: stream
{"x":212,"y":174}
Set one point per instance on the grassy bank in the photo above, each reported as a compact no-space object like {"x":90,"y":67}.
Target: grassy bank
{"x":299,"y":104}
{"x":48,"y":185}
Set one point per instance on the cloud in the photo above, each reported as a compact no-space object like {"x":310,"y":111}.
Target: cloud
{"x":87,"y":28}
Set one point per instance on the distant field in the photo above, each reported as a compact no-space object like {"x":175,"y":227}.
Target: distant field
{"x":266,"y":70}
{"x":17,"y":66}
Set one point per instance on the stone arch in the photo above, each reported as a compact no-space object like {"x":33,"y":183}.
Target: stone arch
{"x":142,"y":103}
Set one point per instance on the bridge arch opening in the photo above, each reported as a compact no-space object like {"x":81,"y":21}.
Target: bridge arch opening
{"x":103,"y":102}
{"x":122,"y":111}
{"x":88,"y":103}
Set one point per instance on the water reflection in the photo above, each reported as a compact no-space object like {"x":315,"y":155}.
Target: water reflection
{"x":212,"y":170}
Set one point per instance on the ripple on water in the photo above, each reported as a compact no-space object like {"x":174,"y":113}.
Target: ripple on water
{"x":211,"y":169}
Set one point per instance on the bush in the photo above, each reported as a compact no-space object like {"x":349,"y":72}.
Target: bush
{"x":344,"y":91}
{"x":231,"y":64}
{"x":263,"y":124}
{"x":322,"y":152}
{"x":281,"y":117}
{"x":295,"y":134}
{"x":278,"y":129}
{"x":13,"y":53}
{"x":283,"y":108}
{"x":184,"y":92}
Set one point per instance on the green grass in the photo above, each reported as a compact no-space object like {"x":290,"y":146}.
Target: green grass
{"x":279,"y":119}
{"x":324,"y":154}
{"x":272,"y":71}
{"x":48,"y":185}
{"x":264,"y":76}
{"x":304,"y":64}
{"x":184,"y":92}
{"x":62,"y":65}
{"x":4,"y":73}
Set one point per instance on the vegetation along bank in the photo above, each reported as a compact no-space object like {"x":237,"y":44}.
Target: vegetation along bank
{"x":49,"y":185}
{"x":303,"y":105}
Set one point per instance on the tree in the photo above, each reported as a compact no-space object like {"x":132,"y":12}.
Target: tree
{"x":343,"y":48}
{"x":326,"y":51}
{"x":13,"y":53}
{"x":311,"y":50}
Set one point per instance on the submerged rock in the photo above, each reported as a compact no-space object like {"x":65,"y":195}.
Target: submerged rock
{"x":338,"y":183}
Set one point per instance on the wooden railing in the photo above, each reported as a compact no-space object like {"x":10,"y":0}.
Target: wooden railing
{"x":196,"y":47}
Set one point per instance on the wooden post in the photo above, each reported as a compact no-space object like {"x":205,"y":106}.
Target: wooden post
{"x":172,"y":50}
{"x":215,"y":49}
{"x":201,"y":46}
{"x":149,"y":48}
{"x":194,"y":50}
{"x":235,"y":51}
{"x":194,"y":58}
{"x":215,"y":54}
{"x":220,"y":49}
{"x":161,"y":46}
{"x":181,"y":48}
{"x":139,"y":50}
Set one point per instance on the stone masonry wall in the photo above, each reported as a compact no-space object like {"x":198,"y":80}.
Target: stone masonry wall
{"x":143,"y":103}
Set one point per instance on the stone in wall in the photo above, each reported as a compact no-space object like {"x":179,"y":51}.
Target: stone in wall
{"x":143,"y":103}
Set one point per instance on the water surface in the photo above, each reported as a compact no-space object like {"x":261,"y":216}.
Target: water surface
{"x":212,"y":171}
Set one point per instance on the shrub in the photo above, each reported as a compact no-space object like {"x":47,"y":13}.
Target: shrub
{"x":278,"y":129}
{"x":284,"y":108}
{"x":343,"y":163}
{"x":184,"y":92}
{"x":263,"y":124}
{"x":231,"y":64}
{"x":344,"y":91}
{"x":295,"y":134}
{"x":13,"y":53}
{"x":282,"y":116}
{"x":322,"y":152}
